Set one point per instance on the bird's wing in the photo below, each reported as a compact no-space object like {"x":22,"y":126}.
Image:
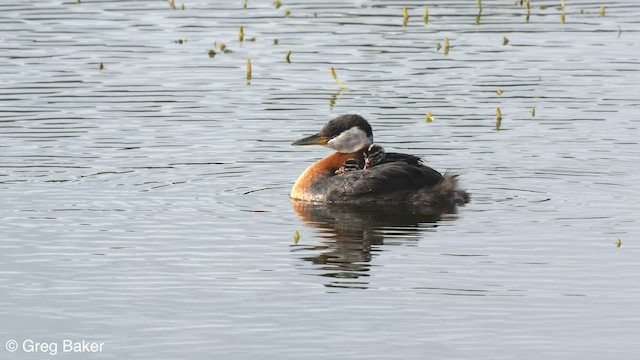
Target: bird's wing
{"x":387,"y":178}
{"x":409,"y":159}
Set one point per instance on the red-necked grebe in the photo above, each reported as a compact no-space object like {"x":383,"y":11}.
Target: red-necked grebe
{"x":385,"y":177}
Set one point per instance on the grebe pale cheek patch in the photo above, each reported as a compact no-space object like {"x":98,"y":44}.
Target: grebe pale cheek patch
{"x":350,"y":140}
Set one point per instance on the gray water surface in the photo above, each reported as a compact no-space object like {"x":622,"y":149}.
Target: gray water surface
{"x":145,"y":205}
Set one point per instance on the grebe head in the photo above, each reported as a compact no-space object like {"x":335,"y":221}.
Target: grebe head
{"x":373,"y":155}
{"x":345,"y":134}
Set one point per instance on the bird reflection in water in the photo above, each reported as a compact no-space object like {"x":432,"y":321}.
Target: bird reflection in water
{"x":351,"y":236}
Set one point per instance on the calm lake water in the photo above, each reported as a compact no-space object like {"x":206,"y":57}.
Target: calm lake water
{"x":145,"y":205}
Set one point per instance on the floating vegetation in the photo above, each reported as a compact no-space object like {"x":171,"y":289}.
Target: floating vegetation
{"x":446,"y":46}
{"x":438,"y":46}
{"x":277,"y":4}
{"x":78,"y":1}
{"x":478,"y":16}
{"x":425,"y":16}
{"x":296,"y":237}
{"x":101,"y":66}
{"x":222,"y":47}
{"x":287,"y":56}
{"x":618,"y":243}
{"x":181,"y":41}
{"x":248,"y":70}
{"x":275,"y":41}
{"x":405,"y":16}
{"x":528,"y":6}
{"x":244,"y":4}
{"x":562,"y":16}
{"x":212,"y":53}
{"x":287,"y":12}
{"x":335,"y":97}
{"x":499,"y":92}
{"x":602,"y":14}
{"x":505,"y":40}
{"x":533,"y":111}
{"x":335,"y":77}
{"x":241,"y":33}
{"x":498,"y":118}
{"x":479,"y":3}
{"x":172,"y":5}
{"x":429,"y":117}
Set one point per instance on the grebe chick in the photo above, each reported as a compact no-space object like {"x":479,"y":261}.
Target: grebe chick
{"x":373,"y":155}
{"x":395,"y":179}
{"x":349,"y":165}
